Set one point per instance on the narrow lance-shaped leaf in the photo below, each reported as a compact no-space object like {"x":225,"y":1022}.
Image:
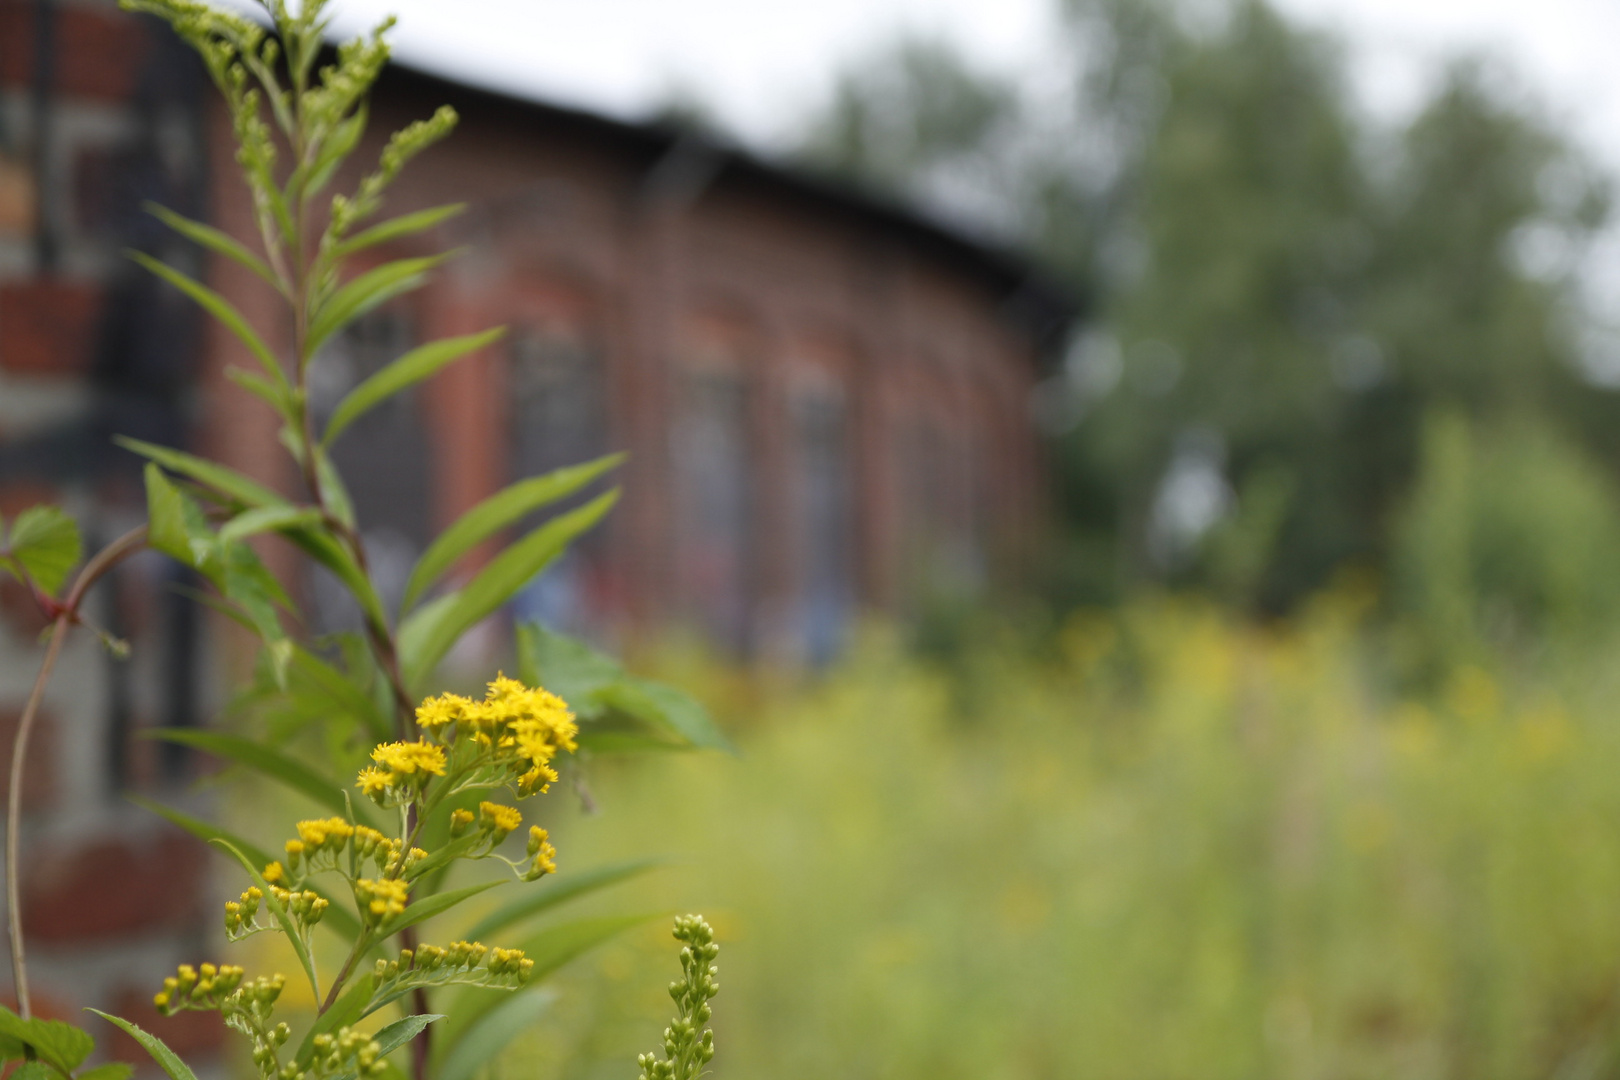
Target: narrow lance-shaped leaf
{"x":550,"y":949}
{"x":496,"y":513}
{"x":272,"y":763}
{"x":418,"y":364}
{"x":567,"y":667}
{"x":167,"y":1059}
{"x":497,"y":582}
{"x":397,"y":229}
{"x":429,"y":906}
{"x":370,"y":289}
{"x":396,"y":1035}
{"x":46,"y":542}
{"x":557,"y":891}
{"x":267,"y":519}
{"x":214,"y":240}
{"x":493,"y":1032}
{"x":264,"y":390}
{"x":225,"y":481}
{"x":221,"y":309}
{"x":345,"y":1011}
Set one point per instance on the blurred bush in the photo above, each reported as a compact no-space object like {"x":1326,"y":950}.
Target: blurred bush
{"x":1510,"y":534}
{"x":1188,"y":847}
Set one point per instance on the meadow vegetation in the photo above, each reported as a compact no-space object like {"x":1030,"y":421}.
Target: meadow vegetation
{"x":1175,"y":844}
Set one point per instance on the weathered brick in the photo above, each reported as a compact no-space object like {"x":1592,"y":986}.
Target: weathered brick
{"x":113,"y":888}
{"x":48,"y":326}
{"x":98,"y":50}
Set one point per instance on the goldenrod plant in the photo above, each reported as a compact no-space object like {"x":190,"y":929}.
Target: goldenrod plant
{"x":423,"y":779}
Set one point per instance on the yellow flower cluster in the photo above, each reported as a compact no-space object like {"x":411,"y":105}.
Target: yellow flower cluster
{"x":543,"y":854}
{"x":240,"y":913}
{"x":201,"y":987}
{"x":498,"y":821}
{"x":382,"y":898}
{"x":522,"y":728}
{"x":402,"y":769}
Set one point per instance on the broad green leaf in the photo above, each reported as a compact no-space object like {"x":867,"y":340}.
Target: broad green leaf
{"x":420,"y":363}
{"x":506,"y":574}
{"x":61,"y":1045}
{"x":550,"y":949}
{"x":496,"y":513}
{"x":166,"y":517}
{"x":167,"y":1059}
{"x":493,"y":1032}
{"x":664,"y":707}
{"x":272,"y":763}
{"x":567,"y":667}
{"x":429,"y":906}
{"x":558,"y":890}
{"x":46,"y":542}
{"x":397,"y":228}
{"x":35,"y":1070}
{"x":345,"y":1011}
{"x":279,"y":911}
{"x":214,"y":240}
{"x":113,"y":1070}
{"x":262,"y":519}
{"x":221,"y":309}
{"x":225,"y":481}
{"x":370,"y":289}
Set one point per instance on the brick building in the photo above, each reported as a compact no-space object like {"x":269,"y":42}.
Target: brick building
{"x":824,"y":399}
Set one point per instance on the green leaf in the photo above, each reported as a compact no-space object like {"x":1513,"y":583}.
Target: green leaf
{"x":214,"y":240}
{"x":506,"y":574}
{"x":268,"y":519}
{"x":221,"y":309}
{"x":113,"y":1070}
{"x":397,"y":1034}
{"x":342,"y":693}
{"x":397,"y":228}
{"x":567,"y":667}
{"x":35,"y":1070}
{"x":167,"y":1059}
{"x":492,"y":1033}
{"x":320,"y":545}
{"x":61,"y":1045}
{"x":370,"y":289}
{"x":332,"y":486}
{"x":225,"y":481}
{"x":264,"y":390}
{"x":272,"y":763}
{"x":46,"y":542}
{"x":418,"y":629}
{"x":166,"y":517}
{"x":496,"y":513}
{"x":550,"y":949}
{"x":345,"y":1011}
{"x":664,"y":707}
{"x":420,"y":363}
{"x":202,"y":830}
{"x":279,"y":911}
{"x":558,"y":890}
{"x":438,"y":903}
{"x":339,"y":145}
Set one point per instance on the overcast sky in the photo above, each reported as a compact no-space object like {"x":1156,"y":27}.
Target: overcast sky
{"x":760,"y":64}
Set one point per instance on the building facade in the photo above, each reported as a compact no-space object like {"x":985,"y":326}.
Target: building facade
{"x":823,"y":399}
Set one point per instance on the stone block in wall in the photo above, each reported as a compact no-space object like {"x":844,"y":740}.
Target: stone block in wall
{"x":48,"y":327}
{"x":161,"y":885}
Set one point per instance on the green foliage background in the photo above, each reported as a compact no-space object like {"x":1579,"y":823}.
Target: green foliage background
{"x":1176,"y":845}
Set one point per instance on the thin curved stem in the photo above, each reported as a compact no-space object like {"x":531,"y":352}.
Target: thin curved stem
{"x":104,"y":560}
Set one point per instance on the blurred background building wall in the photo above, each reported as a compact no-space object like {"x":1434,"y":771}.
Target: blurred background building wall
{"x":824,"y":399}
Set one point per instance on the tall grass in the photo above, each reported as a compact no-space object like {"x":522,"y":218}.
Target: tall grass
{"x":1187,"y":848}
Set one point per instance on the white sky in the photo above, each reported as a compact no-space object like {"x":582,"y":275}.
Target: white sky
{"x":761,"y":64}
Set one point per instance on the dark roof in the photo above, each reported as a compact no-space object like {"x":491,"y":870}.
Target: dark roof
{"x":1033,"y":297}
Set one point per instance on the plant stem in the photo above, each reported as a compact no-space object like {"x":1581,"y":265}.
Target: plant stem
{"x":104,"y":560}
